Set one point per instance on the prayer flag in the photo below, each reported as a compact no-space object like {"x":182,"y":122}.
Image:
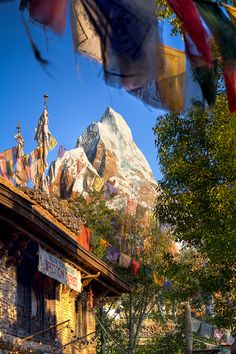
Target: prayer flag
{"x":231,"y":12}
{"x":188,"y":14}
{"x":9,"y":164}
{"x":20,"y":176}
{"x":26,"y":165}
{"x":124,"y":260}
{"x":8,"y":154}
{"x":49,"y":13}
{"x":223,"y":31}
{"x":52,"y":142}
{"x":158,"y":280}
{"x":84,"y":237}
{"x":135,"y":266}
{"x":112,"y":254}
{"x":195,"y":324}
{"x":171,"y":79}
{"x":206,"y":330}
{"x":61,"y":151}
{"x":218,"y":334}
{"x":103,"y":243}
{"x":98,"y":184}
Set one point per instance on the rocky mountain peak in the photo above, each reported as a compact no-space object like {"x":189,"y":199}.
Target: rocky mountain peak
{"x":108,"y":152}
{"x":115,"y":123}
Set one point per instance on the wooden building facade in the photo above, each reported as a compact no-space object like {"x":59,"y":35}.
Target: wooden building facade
{"x":48,"y":282}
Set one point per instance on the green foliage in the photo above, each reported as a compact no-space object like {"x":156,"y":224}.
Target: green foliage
{"x":197,"y":154}
{"x":101,"y":220}
{"x":165,"y":13}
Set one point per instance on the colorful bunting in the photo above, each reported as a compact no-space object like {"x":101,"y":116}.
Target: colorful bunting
{"x":224,"y":33}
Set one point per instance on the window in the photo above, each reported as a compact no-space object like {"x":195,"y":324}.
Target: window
{"x":35,"y":300}
{"x":81,"y":315}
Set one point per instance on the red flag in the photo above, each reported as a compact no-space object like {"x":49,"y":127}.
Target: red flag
{"x":51,"y":13}
{"x":188,"y":14}
{"x":230,"y":83}
{"x":135,"y":266}
{"x":84,"y":237}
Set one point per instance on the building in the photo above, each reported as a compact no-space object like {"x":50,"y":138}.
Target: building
{"x":48,"y":282}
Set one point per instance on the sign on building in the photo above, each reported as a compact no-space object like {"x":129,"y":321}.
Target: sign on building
{"x":55,"y":268}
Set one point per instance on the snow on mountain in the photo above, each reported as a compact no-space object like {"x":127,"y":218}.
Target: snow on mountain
{"x":106,"y":149}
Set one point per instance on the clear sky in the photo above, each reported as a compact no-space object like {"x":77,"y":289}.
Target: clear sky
{"x":77,"y":93}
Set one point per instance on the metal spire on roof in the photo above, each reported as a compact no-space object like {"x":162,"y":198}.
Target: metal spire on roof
{"x":45,"y":101}
{"x":20,"y":141}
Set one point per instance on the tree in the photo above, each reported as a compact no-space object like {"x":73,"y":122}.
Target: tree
{"x":197,"y":155}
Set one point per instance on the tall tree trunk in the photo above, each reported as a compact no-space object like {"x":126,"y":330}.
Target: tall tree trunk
{"x":102,"y":336}
{"x":188,"y":330}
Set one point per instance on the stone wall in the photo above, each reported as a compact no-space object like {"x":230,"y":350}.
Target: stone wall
{"x":64,"y":309}
{"x":8,"y":311}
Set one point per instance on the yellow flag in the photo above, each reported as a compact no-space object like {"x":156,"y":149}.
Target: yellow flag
{"x":104,"y":243}
{"x":40,"y":167}
{"x":171,"y":78}
{"x":98,"y":184}
{"x":52,"y":142}
{"x":158,"y":280}
{"x":231,"y":12}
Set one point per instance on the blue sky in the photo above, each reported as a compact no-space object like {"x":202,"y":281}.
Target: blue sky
{"x":77,"y":93}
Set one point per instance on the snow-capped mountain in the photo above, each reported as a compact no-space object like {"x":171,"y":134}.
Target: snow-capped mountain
{"x":106,"y":152}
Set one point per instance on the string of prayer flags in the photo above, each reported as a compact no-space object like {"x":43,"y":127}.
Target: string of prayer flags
{"x":224,"y":32}
{"x":9,"y":154}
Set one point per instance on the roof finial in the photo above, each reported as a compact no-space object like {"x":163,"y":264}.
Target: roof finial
{"x":45,"y":101}
{"x":20,"y":141}
{"x":18,"y":127}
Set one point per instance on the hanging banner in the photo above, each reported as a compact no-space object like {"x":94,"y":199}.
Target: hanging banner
{"x":56,"y":269}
